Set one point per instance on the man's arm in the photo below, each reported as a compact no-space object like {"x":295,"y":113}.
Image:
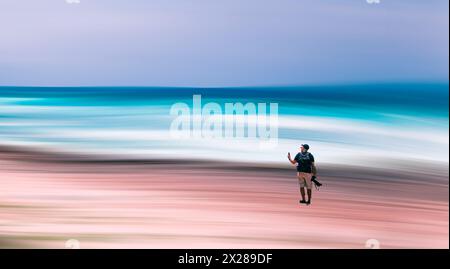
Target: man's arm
{"x":292,"y":161}
{"x":314,"y":169}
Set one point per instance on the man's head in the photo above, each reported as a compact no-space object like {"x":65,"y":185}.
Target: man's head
{"x":304,"y":148}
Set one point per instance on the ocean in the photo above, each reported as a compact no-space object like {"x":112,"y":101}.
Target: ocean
{"x":355,"y":124}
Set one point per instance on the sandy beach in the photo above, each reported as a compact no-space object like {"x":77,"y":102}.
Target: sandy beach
{"x":47,"y":199}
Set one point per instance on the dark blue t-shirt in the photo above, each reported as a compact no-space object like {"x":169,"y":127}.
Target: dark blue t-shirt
{"x":304,"y":162}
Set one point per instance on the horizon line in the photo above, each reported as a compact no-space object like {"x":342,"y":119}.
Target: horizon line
{"x":350,"y":84}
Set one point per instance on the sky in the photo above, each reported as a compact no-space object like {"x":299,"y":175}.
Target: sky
{"x":216,"y":43}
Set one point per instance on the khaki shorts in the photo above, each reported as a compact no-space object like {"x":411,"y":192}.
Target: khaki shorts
{"x":305,"y":180}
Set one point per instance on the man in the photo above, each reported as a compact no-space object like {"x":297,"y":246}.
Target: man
{"x":306,"y":171}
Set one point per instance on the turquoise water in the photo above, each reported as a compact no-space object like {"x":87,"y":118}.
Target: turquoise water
{"x":362,"y":121}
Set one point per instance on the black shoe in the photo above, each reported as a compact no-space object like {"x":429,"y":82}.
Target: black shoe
{"x":302,"y":202}
{"x":308,"y":203}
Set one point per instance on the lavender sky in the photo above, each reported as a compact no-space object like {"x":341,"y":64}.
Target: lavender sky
{"x":222,"y":42}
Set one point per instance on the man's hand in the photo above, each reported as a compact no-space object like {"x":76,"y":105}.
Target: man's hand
{"x":290,"y":160}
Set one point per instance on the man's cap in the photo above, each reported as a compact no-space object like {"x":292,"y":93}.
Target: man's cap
{"x":306,"y":146}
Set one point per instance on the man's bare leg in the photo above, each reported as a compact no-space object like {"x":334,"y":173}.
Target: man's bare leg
{"x":302,"y":192}
{"x":309,"y":196}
